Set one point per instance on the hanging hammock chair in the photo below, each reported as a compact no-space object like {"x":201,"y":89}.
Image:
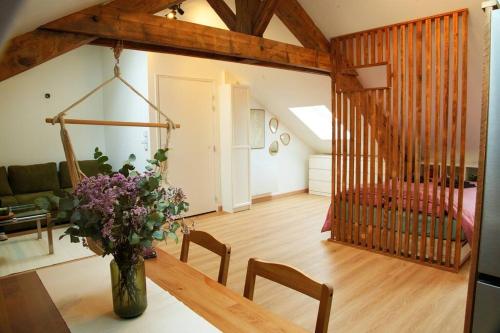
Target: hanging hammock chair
{"x":75,"y":173}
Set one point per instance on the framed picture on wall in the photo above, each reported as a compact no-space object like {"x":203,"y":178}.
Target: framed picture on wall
{"x":257,"y":128}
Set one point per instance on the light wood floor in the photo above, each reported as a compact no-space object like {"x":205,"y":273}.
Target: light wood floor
{"x":372,"y":292}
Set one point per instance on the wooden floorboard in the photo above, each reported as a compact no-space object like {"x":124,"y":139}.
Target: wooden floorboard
{"x":372,"y":292}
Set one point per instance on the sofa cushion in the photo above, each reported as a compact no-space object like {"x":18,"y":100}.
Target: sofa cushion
{"x":88,"y":167}
{"x":8,"y":200}
{"x":4,"y":183}
{"x":33,"y":178}
{"x":29,"y":198}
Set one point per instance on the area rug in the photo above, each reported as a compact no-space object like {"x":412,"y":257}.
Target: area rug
{"x":26,"y":252}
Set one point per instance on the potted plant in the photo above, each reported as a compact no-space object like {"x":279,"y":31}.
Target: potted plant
{"x":123,"y":212}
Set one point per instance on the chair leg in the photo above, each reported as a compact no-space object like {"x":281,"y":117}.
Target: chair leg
{"x":224,"y":266}
{"x":250,"y":280}
{"x":185,"y":248}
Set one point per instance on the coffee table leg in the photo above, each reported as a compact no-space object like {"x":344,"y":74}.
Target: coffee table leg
{"x":49,"y":234}
{"x":39,"y":228}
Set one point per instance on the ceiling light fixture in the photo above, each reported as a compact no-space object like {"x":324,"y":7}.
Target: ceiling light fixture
{"x":172,"y":13}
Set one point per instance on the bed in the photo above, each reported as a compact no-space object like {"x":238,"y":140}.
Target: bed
{"x":398,"y":222}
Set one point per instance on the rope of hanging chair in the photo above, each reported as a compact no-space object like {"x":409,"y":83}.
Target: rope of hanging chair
{"x":117,"y":50}
{"x":73,"y":167}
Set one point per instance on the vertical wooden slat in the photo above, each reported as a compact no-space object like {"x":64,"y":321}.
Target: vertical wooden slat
{"x":349,"y":52}
{"x":380,"y":146}
{"x":437,"y":136}
{"x":463,"y":128}
{"x":409,"y":156}
{"x":344,"y":165}
{"x":380,"y":158}
{"x":357,"y":166}
{"x":358,"y":50}
{"x":338,"y":195}
{"x":372,"y":48}
{"x":366,"y":57}
{"x":402,"y":148}
{"x":358,"y":148}
{"x":333,"y":205}
{"x":373,"y":131}
{"x":351,"y":208}
{"x":427,"y":135}
{"x":453,"y":148}
{"x":395,"y":138}
{"x":418,"y":131}
{"x":364,"y":216}
{"x":444,"y":148}
{"x":388,"y":133}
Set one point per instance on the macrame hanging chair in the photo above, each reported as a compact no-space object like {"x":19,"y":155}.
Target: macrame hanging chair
{"x":75,"y":173}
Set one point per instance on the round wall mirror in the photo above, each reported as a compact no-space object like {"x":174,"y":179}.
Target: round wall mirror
{"x":285,"y":138}
{"x":273,"y":125}
{"x":273,"y":148}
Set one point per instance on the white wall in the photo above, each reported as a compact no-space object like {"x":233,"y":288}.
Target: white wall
{"x":121,"y":103}
{"x":25,"y":138}
{"x":285,"y":172}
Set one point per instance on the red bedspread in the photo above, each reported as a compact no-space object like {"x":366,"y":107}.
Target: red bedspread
{"x":387,"y":198}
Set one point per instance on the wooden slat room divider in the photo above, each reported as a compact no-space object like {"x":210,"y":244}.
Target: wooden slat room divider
{"x":393,"y":146}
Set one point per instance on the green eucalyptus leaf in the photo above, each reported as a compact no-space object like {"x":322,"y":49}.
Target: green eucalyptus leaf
{"x":134,"y":239}
{"x":103,"y":159}
{"x":159,"y":235}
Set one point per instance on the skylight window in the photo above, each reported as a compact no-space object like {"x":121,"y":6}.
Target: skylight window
{"x":317,"y":118}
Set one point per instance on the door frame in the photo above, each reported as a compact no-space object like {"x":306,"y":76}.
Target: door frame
{"x":154,"y":136}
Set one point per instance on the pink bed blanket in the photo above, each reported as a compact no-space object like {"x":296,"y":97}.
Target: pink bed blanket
{"x":387,"y":198}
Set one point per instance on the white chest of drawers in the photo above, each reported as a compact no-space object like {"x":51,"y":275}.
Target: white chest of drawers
{"x":320,"y":175}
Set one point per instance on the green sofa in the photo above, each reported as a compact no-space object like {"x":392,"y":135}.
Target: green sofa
{"x":23,"y":184}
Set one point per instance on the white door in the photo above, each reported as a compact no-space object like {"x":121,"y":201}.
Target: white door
{"x":189,"y":102}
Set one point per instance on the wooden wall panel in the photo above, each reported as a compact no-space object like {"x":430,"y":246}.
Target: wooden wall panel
{"x":406,"y":140}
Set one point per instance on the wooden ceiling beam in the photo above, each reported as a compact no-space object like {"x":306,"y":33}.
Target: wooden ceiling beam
{"x":264,"y":16}
{"x":144,"y":6}
{"x":200,"y":54}
{"x":36,"y":47}
{"x":246,"y":10}
{"x":296,"y":19}
{"x":148,"y":29}
{"x":224,"y":12}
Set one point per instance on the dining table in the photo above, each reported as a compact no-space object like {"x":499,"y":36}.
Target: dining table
{"x":76,"y":297}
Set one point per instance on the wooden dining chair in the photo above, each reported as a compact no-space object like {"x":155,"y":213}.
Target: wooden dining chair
{"x":294,"y":279}
{"x":210,"y":243}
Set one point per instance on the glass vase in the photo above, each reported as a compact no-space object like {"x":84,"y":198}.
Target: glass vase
{"x":128,"y":284}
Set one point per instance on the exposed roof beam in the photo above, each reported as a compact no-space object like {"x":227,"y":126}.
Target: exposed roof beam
{"x":144,"y":6}
{"x":201,"y":54}
{"x":263,"y":17}
{"x":246,"y":10}
{"x":224,"y":12}
{"x":291,"y":13}
{"x":36,"y":47}
{"x":148,"y":29}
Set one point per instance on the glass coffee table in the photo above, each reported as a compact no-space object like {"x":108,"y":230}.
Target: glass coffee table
{"x":30,"y":213}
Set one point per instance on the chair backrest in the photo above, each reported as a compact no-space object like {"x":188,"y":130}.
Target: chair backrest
{"x":294,"y":279}
{"x":210,"y":243}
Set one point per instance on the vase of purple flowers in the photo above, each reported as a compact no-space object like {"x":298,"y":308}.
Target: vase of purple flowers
{"x":123,"y":212}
